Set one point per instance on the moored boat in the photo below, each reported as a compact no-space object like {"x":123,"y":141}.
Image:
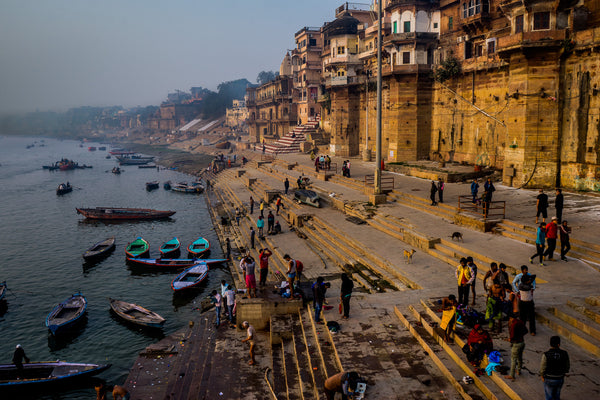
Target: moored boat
{"x":185,"y":188}
{"x":64,"y":188}
{"x":119,"y":214}
{"x":92,"y":148}
{"x":190,"y":278}
{"x":39,"y":373}
{"x":167,"y":185}
{"x":3,"y":289}
{"x":170,"y":248}
{"x":171,"y":263}
{"x":138,"y":248}
{"x":198,"y":247}
{"x":100,"y":249}
{"x":120,"y":152}
{"x":66,"y":314}
{"x":136,"y":314}
{"x":152,"y":185}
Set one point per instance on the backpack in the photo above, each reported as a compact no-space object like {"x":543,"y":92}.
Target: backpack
{"x":299,"y":266}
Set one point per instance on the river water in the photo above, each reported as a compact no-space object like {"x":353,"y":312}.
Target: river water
{"x":42,"y":239}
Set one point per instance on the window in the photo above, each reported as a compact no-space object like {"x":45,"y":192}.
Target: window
{"x":541,"y":20}
{"x":341,"y":49}
{"x":312,"y":42}
{"x":450,"y":23}
{"x":406,"y":57}
{"x":303,"y":60}
{"x":435,"y":25}
{"x":491,"y":46}
{"x":395,"y":28}
{"x":406,"y":26}
{"x":468,"y":50}
{"x":471,"y":8}
{"x":519,"y":23}
{"x":479,"y":50}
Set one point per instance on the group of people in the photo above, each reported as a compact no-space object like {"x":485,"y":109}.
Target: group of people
{"x":224,"y":301}
{"x":321,"y":162}
{"x":486,"y":197}
{"x":439,"y":189}
{"x":547,"y":234}
{"x":542,"y":203}
{"x":346,"y":168}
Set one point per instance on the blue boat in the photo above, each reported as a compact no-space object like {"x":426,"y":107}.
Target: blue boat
{"x":3,"y":289}
{"x":40,"y":373}
{"x":66,"y":314}
{"x":190,"y":278}
{"x":170,"y":248}
{"x":198,"y":247}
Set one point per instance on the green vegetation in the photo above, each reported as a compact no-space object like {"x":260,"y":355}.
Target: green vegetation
{"x":448,"y":69}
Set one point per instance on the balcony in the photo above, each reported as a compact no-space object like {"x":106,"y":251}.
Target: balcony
{"x":410,"y":37}
{"x":344,"y":80}
{"x":404,"y":69}
{"x":341,"y":59}
{"x":393,"y":4}
{"x":367,"y":54}
{"x":531,"y":40}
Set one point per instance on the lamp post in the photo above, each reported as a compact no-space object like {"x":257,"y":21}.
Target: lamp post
{"x":377,"y":178}
{"x":366,"y":150}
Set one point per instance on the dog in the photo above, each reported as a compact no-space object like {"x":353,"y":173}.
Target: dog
{"x":458,"y":236}
{"x":408,"y":255}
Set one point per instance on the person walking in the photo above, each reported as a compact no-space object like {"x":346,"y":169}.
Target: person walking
{"x":230,"y":299}
{"x":465,"y":277}
{"x":540,"y":242}
{"x":270,"y":222}
{"x":553,"y":368}
{"x":551,"y":236}
{"x":278,"y":205}
{"x":224,"y":286}
{"x":227,"y":248}
{"x":263,"y":258}
{"x":217,"y":301}
{"x":251,"y":205}
{"x":238,"y":215}
{"x":286,"y":185}
{"x":318,"y":298}
{"x":252,"y":237}
{"x":559,"y":202}
{"x":432,"y":193}
{"x":250,"y":333}
{"x":474,"y":190}
{"x":541,"y":206}
{"x":565,"y":246}
{"x":441,"y":188}
{"x":489,"y":189}
{"x":526,"y":304}
{"x":346,"y":294}
{"x":517,"y":332}
{"x":260,"y":224}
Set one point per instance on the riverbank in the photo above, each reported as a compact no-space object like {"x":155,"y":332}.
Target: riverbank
{"x":386,"y":337}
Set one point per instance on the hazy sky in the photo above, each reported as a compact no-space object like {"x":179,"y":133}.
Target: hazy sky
{"x":56,"y":54}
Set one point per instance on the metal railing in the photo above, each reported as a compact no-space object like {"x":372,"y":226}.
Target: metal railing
{"x":331,"y":167}
{"x":491,"y":210}
{"x":387,"y":182}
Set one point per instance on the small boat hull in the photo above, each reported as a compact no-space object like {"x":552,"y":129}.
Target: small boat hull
{"x":41,"y":373}
{"x":66,"y":314}
{"x":3,"y":289}
{"x":190,"y":278}
{"x":100,"y":250}
{"x":63,"y":189}
{"x":171,"y":263}
{"x":309,"y":197}
{"x":123,"y":214}
{"x":136,"y":314}
{"x":170,"y":249}
{"x":198,"y":247}
{"x":138,"y":248}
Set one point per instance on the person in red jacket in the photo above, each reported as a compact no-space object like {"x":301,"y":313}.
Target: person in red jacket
{"x":551,"y":236}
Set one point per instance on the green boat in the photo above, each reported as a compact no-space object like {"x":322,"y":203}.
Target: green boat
{"x":138,"y":248}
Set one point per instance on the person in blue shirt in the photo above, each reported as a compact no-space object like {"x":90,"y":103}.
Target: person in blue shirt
{"x":517,"y":281}
{"x":474,"y":190}
{"x":540,"y":242}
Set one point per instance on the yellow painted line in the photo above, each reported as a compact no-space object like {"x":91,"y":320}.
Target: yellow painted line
{"x":561,"y":330}
{"x":582,"y":326}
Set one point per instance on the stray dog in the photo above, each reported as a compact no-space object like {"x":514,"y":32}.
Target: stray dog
{"x":458,"y":236}
{"x":408,"y":255}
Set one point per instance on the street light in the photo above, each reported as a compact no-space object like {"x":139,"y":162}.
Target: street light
{"x":377,"y":177}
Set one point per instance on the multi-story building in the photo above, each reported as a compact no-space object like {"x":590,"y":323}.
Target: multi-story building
{"x":236,"y":116}
{"x":271,"y":110}
{"x":306,"y":70}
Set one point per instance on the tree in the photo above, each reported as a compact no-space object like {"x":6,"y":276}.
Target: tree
{"x":266,"y":76}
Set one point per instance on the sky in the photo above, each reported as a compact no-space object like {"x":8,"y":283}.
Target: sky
{"x":57,"y":54}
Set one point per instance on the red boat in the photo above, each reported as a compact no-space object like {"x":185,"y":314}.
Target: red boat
{"x":171,"y":263}
{"x":121,"y":152}
{"x":123,"y":214}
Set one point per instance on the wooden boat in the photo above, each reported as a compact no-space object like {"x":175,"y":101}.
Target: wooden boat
{"x":39,"y":373}
{"x":66,"y":314}
{"x":170,"y":248}
{"x":171,"y":263}
{"x":148,"y":166}
{"x":185,"y":188}
{"x":136,"y":314}
{"x":134,"y":159}
{"x":92,"y":148}
{"x":102,"y":148}
{"x":190,"y":278}
{"x":198,"y":247}
{"x":138,"y":248}
{"x":167,"y":185}
{"x":152,"y":185}
{"x":120,"y":214}
{"x":3,"y":289}
{"x":120,"y":152}
{"x":100,"y":249}
{"x":64,"y":189}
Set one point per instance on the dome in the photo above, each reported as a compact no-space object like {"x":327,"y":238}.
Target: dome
{"x":344,"y":25}
{"x":285,"y":69}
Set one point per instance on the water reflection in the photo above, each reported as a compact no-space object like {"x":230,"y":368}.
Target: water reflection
{"x":65,"y":338}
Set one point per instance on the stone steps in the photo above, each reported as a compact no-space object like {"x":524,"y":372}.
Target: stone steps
{"x":315,"y":363}
{"x":308,"y":386}
{"x":279,"y":381}
{"x":589,"y":312}
{"x":325,"y":347}
{"x":566,"y":329}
